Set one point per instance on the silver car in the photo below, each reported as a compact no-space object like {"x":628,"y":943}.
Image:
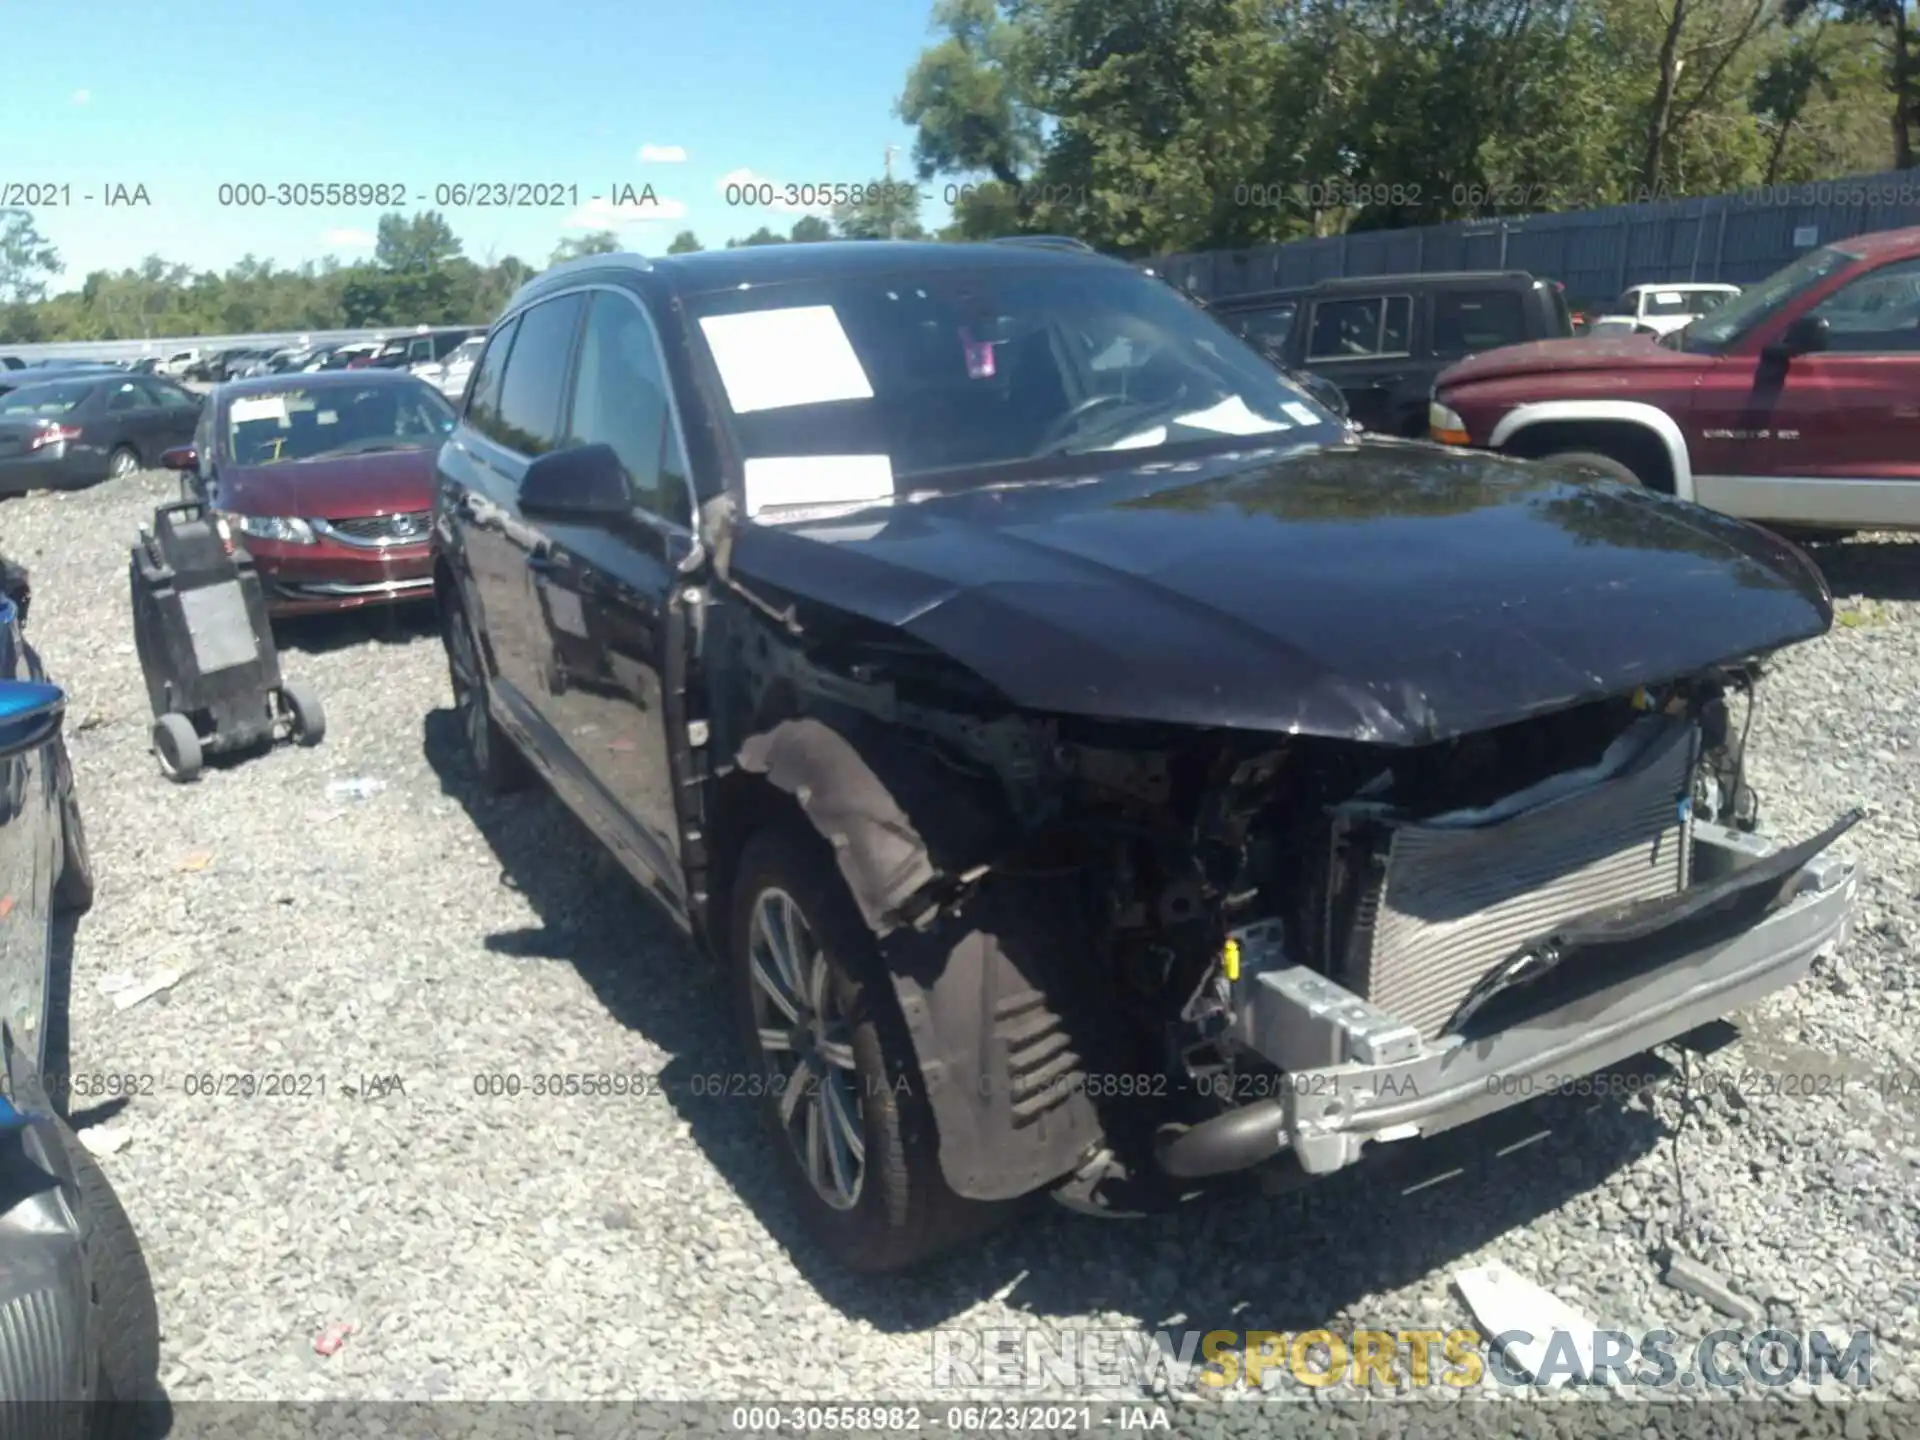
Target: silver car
{"x":450,"y":375}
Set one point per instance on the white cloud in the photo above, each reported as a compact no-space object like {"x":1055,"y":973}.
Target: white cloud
{"x":346,"y":239}
{"x":754,"y":186}
{"x":663,"y":154}
{"x":81,"y":97}
{"x":603,"y":214}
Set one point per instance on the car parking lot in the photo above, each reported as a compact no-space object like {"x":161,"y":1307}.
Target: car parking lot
{"x":400,"y":962}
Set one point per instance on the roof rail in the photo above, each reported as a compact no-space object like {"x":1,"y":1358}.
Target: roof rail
{"x":1045,"y":242}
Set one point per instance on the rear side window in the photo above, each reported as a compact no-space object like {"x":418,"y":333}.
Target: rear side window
{"x":483,"y":390}
{"x":1268,"y":328}
{"x":1466,"y":322}
{"x":1360,"y":327}
{"x":529,"y":415}
{"x":158,"y":392}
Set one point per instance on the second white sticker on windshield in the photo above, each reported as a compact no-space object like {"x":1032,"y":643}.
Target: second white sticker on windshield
{"x":785,"y":481}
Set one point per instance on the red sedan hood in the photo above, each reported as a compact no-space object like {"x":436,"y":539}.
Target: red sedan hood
{"x":392,"y":482}
{"x":1635,"y":352}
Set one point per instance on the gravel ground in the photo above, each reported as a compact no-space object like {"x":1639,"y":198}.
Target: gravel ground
{"x":392,"y":949}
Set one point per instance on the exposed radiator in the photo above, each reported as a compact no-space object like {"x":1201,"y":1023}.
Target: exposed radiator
{"x":1453,"y":901}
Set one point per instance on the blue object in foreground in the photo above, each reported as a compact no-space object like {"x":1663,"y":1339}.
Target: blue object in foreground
{"x":30,"y":713}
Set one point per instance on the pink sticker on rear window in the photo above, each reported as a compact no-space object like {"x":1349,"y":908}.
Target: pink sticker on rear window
{"x":979,"y":357}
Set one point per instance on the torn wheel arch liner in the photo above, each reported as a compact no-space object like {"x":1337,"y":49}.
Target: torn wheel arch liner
{"x":980,"y":982}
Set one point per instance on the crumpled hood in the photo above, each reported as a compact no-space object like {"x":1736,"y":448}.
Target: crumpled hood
{"x":1538,"y":357}
{"x":1396,"y":593}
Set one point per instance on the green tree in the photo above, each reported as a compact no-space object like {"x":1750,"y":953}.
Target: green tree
{"x":809,"y":228}
{"x":1897,"y":40}
{"x":967,"y":98}
{"x":597,"y":242}
{"x":685,"y":243}
{"x":414,"y":246}
{"x":886,"y":210}
{"x":762,"y":236}
{"x":27,"y":260}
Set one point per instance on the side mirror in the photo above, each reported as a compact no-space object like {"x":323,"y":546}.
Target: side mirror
{"x":30,"y":715}
{"x":584,"y":483}
{"x":181,"y":457}
{"x":1806,"y":336}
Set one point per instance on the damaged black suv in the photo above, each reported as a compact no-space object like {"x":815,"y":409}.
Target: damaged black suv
{"x":1095,"y":766}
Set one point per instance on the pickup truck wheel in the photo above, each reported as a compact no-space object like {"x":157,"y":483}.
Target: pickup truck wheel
{"x":840,"y":1090}
{"x":1593,"y":460}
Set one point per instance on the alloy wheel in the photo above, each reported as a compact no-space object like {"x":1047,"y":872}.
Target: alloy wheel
{"x":469,"y":687}
{"x":123,"y":464}
{"x":807,"y":1045}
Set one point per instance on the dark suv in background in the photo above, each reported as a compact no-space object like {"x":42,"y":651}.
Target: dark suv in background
{"x":1384,"y":339}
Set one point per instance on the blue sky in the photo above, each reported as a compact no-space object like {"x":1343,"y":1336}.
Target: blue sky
{"x":420,"y":93}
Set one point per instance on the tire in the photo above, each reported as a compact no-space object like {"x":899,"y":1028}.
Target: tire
{"x":124,"y":461}
{"x":1593,"y":460}
{"x":73,"y":891}
{"x":899,"y":1210}
{"x":126,"y":1318}
{"x":498,"y":764}
{"x":304,"y":709}
{"x":177,"y":746}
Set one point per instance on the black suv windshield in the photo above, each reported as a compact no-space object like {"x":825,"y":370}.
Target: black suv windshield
{"x":956,"y":369}
{"x":326,"y":422}
{"x":1728,"y":322}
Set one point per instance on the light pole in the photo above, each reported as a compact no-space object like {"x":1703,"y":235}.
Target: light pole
{"x":886,"y":189}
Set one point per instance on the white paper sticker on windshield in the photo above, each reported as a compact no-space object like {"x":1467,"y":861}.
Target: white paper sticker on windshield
{"x":1668,"y":297}
{"x":1231,"y":417}
{"x":788,"y":480}
{"x":258,"y":407}
{"x":327,"y":417}
{"x":1145,"y":440}
{"x":770,"y":359}
{"x":1301,"y":413}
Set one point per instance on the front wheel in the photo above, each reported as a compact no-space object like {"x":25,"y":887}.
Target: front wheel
{"x":494,"y":758}
{"x":177,"y":746}
{"x":126,"y":1319}
{"x":833,"y":1067}
{"x":309,"y":720}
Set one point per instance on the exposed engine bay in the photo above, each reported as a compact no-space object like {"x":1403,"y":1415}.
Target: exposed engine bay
{"x":1251,"y":907}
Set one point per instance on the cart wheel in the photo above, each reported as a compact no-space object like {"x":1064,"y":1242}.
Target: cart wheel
{"x":177,"y":744}
{"x":309,"y":720}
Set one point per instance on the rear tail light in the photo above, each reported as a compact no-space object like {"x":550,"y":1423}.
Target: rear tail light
{"x":54,"y":435}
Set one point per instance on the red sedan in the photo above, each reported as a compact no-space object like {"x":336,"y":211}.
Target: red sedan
{"x":327,"y":479}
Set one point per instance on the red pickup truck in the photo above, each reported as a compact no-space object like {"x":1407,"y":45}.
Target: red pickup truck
{"x":1797,"y":402}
